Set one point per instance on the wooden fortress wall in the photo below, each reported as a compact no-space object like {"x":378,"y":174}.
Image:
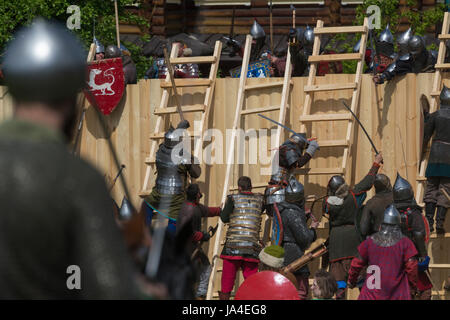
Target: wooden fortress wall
{"x":391,"y":114}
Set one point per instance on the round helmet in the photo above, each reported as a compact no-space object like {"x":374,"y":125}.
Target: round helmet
{"x":295,"y":192}
{"x":445,"y":96}
{"x":300,"y":140}
{"x":382,"y":183}
{"x":173,"y":137}
{"x":416,"y":45}
{"x":45,"y":62}
{"x":334,"y":184}
{"x":391,"y":216}
{"x":386,"y":36}
{"x":126,"y":210}
{"x":402,"y":190}
{"x":99,"y":47}
{"x":257,"y":32}
{"x":112,"y":51}
{"x":402,"y":41}
{"x":308,"y":37}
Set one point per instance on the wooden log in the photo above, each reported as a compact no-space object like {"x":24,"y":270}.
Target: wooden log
{"x":158,"y":21}
{"x":258,"y":12}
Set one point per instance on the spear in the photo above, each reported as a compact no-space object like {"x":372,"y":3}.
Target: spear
{"x":117,"y":24}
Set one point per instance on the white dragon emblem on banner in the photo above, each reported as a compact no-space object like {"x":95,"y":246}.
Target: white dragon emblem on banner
{"x":105,"y":88}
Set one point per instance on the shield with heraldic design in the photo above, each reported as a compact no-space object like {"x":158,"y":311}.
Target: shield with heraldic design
{"x":106,"y":83}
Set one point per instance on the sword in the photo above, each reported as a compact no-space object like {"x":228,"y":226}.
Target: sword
{"x":277,"y":123}
{"x":367,"y":135}
{"x":117,"y":176}
{"x":169,"y":67}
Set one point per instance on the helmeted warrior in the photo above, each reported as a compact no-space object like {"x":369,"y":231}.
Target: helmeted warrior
{"x":129,"y":68}
{"x":291,"y":155}
{"x":243,"y":213}
{"x":173,"y":168}
{"x":373,"y":211}
{"x":414,"y":226}
{"x":296,"y":237}
{"x":64,"y":199}
{"x":395,"y":256}
{"x":438,"y":170}
{"x":384,"y":53}
{"x":99,"y":49}
{"x":343,"y":205}
{"x":402,"y":42}
{"x":189,"y":225}
{"x":418,"y":59}
{"x":259,"y":38}
{"x":299,"y":59}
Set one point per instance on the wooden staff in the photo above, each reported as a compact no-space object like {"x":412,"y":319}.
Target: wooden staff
{"x":174,"y":87}
{"x":271,"y":28}
{"x":117,"y":24}
{"x":316,"y":252}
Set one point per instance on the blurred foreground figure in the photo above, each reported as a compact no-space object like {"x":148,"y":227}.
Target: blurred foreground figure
{"x":55,"y":212}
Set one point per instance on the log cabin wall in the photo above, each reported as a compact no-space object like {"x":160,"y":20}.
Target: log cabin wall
{"x":172,"y":16}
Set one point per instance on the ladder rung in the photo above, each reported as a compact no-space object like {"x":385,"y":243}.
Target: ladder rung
{"x":150,"y":160}
{"x":187,"y":83}
{"x":421,"y":179}
{"x":331,"y":30}
{"x":160,"y":135}
{"x":434,"y":235}
{"x":144,"y":193}
{"x":208,"y":59}
{"x":326,"y":117}
{"x":319,"y":171}
{"x":435,"y":93}
{"x":335,"y":57}
{"x":258,"y":110}
{"x":439,"y":266}
{"x":444,"y":36}
{"x":174,"y":109}
{"x":329,"y":87}
{"x":333,"y":143}
{"x":442,"y":66}
{"x":264,"y":85}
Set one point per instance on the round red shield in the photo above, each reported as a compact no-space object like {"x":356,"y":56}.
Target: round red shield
{"x":267,"y":285}
{"x":106,"y":83}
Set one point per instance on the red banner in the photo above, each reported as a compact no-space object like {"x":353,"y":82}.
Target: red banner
{"x":106,"y":83}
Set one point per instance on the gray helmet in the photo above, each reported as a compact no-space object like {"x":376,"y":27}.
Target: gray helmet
{"x":45,"y":62}
{"x":295,"y":192}
{"x":357,"y":46}
{"x":403,"y":39}
{"x":99,"y":47}
{"x":445,"y":96}
{"x":392,"y":216}
{"x":386,"y":36}
{"x":308,"y":37}
{"x":382,"y":183}
{"x":173,"y":137}
{"x":402,"y":190}
{"x":112,"y":51}
{"x":300,"y":140}
{"x":257,"y":32}
{"x":299,"y":31}
{"x":334,"y":184}
{"x":416,"y":45}
{"x":126,"y":210}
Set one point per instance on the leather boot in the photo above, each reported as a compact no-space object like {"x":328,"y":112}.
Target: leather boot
{"x":440,"y":219}
{"x":224,"y":295}
{"x":430,"y":207}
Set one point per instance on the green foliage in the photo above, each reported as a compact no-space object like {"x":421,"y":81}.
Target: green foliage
{"x":17,"y":13}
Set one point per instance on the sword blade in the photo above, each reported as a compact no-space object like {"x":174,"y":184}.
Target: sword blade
{"x":359,"y":122}
{"x":277,"y":123}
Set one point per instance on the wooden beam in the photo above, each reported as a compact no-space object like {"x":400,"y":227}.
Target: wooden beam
{"x":173,"y":110}
{"x":265,"y":85}
{"x":336,"y":57}
{"x":334,"y":30}
{"x":326,"y":117}
{"x":258,"y":110}
{"x":444,"y":36}
{"x":333,"y":143}
{"x":319,"y":171}
{"x":329,"y":87}
{"x":207,"y":59}
{"x":187,"y":83}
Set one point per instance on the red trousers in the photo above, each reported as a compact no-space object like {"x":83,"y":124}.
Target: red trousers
{"x":230,"y":267}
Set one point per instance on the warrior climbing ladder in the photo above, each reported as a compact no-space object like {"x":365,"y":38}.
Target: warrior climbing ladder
{"x":437,"y":83}
{"x":163,"y":110}
{"x":311,"y":88}
{"x":239,"y":113}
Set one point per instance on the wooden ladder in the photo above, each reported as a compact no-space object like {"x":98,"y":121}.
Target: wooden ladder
{"x":311,"y":88}
{"x":164,"y":111}
{"x":436,"y":90}
{"x":239,"y":113}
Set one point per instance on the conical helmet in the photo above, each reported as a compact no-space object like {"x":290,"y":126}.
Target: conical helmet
{"x":391,"y":215}
{"x":402,"y":190}
{"x":308,"y":36}
{"x":126,"y":210}
{"x":445,"y":96}
{"x":257,"y":32}
{"x":404,"y":38}
{"x":99,"y":47}
{"x":357,"y":46}
{"x":386,"y":36}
